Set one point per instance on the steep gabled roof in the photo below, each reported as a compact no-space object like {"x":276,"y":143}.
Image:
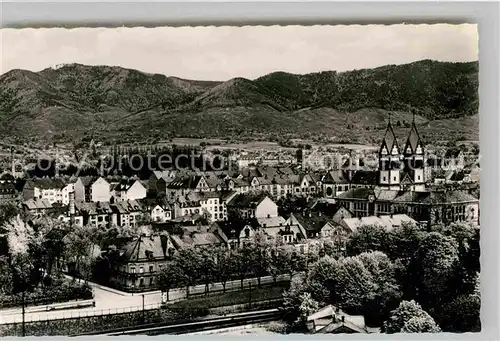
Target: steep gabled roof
{"x":138,"y":250}
{"x":389,"y":140}
{"x":413,"y":140}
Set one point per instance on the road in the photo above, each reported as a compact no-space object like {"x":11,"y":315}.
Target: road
{"x":112,"y":301}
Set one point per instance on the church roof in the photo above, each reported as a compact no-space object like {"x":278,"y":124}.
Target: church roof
{"x":389,"y":140}
{"x":413,"y":139}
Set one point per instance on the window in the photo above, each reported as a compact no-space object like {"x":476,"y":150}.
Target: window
{"x":132,"y":270}
{"x":384,"y":178}
{"x":141,"y":270}
{"x":141,"y":281}
{"x":151,"y":281}
{"x":150,"y":268}
{"x":394,"y":178}
{"x":418,"y":177}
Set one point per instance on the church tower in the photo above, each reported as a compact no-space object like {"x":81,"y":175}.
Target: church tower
{"x":414,"y":165}
{"x":389,"y":160}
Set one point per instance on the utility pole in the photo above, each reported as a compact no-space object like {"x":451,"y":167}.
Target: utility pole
{"x":249,"y":294}
{"x":23,"y":324}
{"x":143,"y":311}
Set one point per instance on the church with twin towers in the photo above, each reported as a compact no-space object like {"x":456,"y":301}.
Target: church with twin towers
{"x":401,"y":187}
{"x":402,"y":166}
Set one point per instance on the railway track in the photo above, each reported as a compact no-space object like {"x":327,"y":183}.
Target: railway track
{"x":227,"y":321}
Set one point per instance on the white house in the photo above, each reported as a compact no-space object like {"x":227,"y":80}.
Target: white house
{"x":100,"y":191}
{"x":161,"y":213}
{"x":129,"y":190}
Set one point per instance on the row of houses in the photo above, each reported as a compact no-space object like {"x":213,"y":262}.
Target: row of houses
{"x":137,"y":263}
{"x":86,"y":189}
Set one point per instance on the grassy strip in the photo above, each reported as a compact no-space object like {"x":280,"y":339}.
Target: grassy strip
{"x":233,"y":297}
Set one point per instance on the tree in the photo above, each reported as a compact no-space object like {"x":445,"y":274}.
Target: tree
{"x":293,"y":298}
{"x":207,"y":267}
{"x":386,"y":291}
{"x":171,"y":276}
{"x":435,"y":262}
{"x":462,"y":315}
{"x":224,"y":266}
{"x":243,"y":258}
{"x":6,"y":279}
{"x":307,"y":307}
{"x":355,"y":285}
{"x":78,"y":250}
{"x":322,"y":280}
{"x":409,"y":315}
{"x":368,"y":238}
{"x":420,"y":325}
{"x":189,"y":260}
{"x":257,"y":255}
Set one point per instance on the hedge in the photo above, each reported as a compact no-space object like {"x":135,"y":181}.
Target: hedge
{"x":63,"y":292}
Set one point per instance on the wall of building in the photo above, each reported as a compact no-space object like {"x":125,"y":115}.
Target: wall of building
{"x":100,"y":191}
{"x":266,"y":208}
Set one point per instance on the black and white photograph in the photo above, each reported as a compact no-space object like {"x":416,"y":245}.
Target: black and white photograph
{"x":252,"y":180}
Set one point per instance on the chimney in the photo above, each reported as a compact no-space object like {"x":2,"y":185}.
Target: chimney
{"x":72,"y":209}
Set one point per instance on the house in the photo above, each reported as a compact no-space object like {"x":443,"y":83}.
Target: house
{"x":286,"y":233}
{"x":252,"y":205}
{"x":137,"y":263}
{"x":70,"y":214}
{"x":332,"y":320}
{"x":246,"y":160}
{"x":66,"y":190}
{"x":334,"y":183}
{"x":128,"y":213}
{"x":197,"y":237}
{"x":8,"y":192}
{"x":38,"y":206}
{"x":184,"y":184}
{"x":97,"y":214}
{"x":234,"y":233}
{"x":433,"y":206}
{"x":388,"y":222}
{"x":82,"y":188}
{"x":315,"y":224}
{"x":128,"y":189}
{"x":44,"y":188}
{"x":100,"y":191}
{"x":157,"y":183}
{"x":161,"y":212}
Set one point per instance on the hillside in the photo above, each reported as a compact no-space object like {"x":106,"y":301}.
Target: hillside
{"x":73,"y":101}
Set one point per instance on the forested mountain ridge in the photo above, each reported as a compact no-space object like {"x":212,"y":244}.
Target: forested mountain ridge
{"x":73,"y":100}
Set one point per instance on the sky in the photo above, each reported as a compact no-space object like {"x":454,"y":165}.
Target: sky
{"x":222,"y":53}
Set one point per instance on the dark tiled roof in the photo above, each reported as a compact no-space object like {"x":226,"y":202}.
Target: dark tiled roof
{"x":356,"y":193}
{"x":364,"y":177}
{"x":247,"y":200}
{"x":139,"y":249}
{"x":312,"y":221}
{"x":48,"y":183}
{"x":389,"y":140}
{"x":189,"y":182}
{"x":413,"y":140}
